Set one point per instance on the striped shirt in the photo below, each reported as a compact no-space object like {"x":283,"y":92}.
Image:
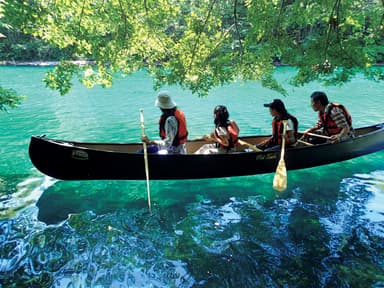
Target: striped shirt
{"x":338,"y":116}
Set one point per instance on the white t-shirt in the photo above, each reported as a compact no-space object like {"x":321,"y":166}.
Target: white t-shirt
{"x":290,"y":125}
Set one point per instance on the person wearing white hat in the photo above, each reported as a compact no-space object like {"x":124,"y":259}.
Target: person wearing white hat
{"x":172,"y":127}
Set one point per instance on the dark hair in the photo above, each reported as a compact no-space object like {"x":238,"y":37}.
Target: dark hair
{"x":321,"y":97}
{"x":279,"y":106}
{"x":221,"y":116}
{"x":168,"y":112}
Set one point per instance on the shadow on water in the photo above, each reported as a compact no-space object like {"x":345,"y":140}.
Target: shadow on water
{"x":221,"y":232}
{"x":318,"y":186}
{"x":73,"y":197}
{"x":230,"y":232}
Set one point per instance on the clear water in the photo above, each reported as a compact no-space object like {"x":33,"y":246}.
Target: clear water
{"x":326,"y":230}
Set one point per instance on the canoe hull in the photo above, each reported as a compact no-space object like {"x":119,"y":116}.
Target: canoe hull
{"x":67,"y":160}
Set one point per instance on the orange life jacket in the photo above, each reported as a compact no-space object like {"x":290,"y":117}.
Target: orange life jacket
{"x":182,"y":132}
{"x":233,"y":131}
{"x":329,"y":126}
{"x":278,"y":128}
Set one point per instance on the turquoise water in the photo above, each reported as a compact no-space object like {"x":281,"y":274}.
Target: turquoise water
{"x":326,"y":230}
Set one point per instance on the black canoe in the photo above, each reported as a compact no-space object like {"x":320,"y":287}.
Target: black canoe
{"x":68,"y":160}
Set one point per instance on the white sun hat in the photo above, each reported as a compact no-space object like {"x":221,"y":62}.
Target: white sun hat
{"x":164,"y":100}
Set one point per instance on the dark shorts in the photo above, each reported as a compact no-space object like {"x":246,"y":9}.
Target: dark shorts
{"x":150,"y":149}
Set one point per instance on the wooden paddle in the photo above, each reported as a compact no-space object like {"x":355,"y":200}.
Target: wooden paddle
{"x":145,"y":159}
{"x":305,"y":142}
{"x":300,"y":140}
{"x":317,"y":135}
{"x":249,"y":145}
{"x":241,"y":142}
{"x":280,"y":178}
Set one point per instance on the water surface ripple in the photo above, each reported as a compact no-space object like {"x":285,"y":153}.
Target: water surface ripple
{"x":326,"y":230}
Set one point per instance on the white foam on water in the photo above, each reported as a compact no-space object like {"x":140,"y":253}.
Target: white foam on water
{"x":26,"y":195}
{"x":374,"y":183}
{"x":10,"y":264}
{"x":228,"y":215}
{"x":363,"y":205}
{"x":74,"y":280}
{"x":37,"y":191}
{"x":212,"y":225}
{"x":133,"y":277}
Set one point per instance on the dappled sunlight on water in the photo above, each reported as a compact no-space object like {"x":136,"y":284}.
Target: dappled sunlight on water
{"x":325,"y":230}
{"x":354,"y":210}
{"x":374,"y":183}
{"x":205,"y":240}
{"x":209,"y":233}
{"x":200,"y":233}
{"x":26,"y":193}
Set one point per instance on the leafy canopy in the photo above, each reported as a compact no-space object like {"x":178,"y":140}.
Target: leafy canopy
{"x":199,"y":44}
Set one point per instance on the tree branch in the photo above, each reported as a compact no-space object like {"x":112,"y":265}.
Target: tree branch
{"x":81,"y":17}
{"x":332,"y":24}
{"x":382,"y":16}
{"x":237,"y":27}
{"x":146,"y":7}
{"x":124,"y":18}
{"x":218,"y":43}
{"x":200,"y":32}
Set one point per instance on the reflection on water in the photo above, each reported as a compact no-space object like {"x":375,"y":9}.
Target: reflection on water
{"x":71,"y":197}
{"x":374,"y":183}
{"x":25,"y":193}
{"x":326,"y":230}
{"x":211,"y":239}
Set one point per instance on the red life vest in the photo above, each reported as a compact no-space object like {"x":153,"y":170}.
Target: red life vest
{"x":329,"y":126}
{"x":233,"y":131}
{"x":278,"y":128}
{"x":182,"y":132}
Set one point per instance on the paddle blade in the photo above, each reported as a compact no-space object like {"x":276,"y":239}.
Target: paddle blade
{"x":280,"y":179}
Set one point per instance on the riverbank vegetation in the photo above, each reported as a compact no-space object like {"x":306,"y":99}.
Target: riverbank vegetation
{"x":196,"y":44}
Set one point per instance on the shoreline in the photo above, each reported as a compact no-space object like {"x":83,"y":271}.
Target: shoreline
{"x":85,"y":62}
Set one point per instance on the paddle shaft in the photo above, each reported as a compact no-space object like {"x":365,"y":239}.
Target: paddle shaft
{"x":241,"y":142}
{"x":249,"y":145}
{"x":145,"y":159}
{"x":317,"y":135}
{"x":283,"y":140}
{"x":305,"y":142}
